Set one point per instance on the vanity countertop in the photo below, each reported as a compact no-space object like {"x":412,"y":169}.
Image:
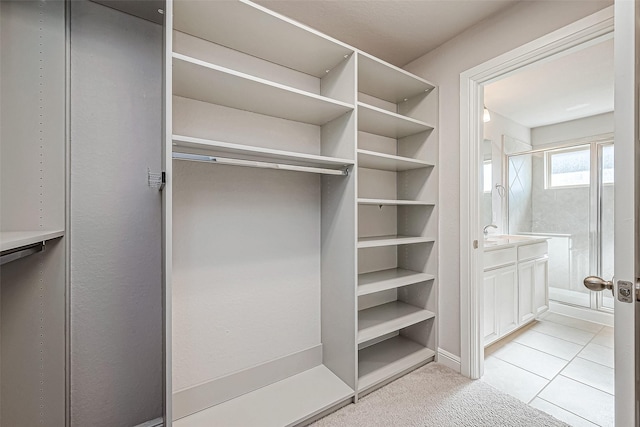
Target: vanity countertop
{"x":497,"y":241}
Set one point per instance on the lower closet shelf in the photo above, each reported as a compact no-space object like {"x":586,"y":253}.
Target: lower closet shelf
{"x":377,"y":321}
{"x":284,"y":403}
{"x":377,"y":281}
{"x":388,"y":358}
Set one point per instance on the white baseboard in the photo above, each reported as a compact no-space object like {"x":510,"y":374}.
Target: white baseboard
{"x":152,"y":423}
{"x":582,"y":313}
{"x":449,"y":360}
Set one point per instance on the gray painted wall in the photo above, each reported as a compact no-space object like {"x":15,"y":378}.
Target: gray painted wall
{"x":116,"y":314}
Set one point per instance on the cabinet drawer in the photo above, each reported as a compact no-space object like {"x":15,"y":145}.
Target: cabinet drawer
{"x":536,"y":250}
{"x":493,"y":259}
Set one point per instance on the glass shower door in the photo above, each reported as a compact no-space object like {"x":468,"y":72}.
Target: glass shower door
{"x":566,"y":195}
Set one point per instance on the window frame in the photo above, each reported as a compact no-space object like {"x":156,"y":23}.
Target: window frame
{"x":601,"y":147}
{"x":548,"y":154}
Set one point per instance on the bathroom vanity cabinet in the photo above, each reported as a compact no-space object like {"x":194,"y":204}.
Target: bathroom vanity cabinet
{"x":516,"y":286}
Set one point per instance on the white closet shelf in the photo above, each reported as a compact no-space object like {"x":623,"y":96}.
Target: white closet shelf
{"x":394,"y":202}
{"x":382,"y":280}
{"x":385,"y":81}
{"x":10,"y":240}
{"x":211,"y":147}
{"x":393,"y":240}
{"x":388,"y":358}
{"x":382,"y":319}
{"x":203,"y":81}
{"x":257,"y":31}
{"x":375,"y":160}
{"x":284,"y":403}
{"x":385,"y":123}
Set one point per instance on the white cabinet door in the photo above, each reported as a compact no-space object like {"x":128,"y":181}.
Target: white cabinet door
{"x":506,"y":299}
{"x":541,"y":286}
{"x":526,"y":290}
{"x":490,"y":323}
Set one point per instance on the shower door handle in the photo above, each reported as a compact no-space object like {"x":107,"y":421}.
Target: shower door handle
{"x":595,"y":283}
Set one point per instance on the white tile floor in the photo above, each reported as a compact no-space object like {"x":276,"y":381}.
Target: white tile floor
{"x":560,"y":365}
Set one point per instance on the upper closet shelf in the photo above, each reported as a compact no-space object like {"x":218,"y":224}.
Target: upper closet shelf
{"x":375,"y":160}
{"x":259,"y":153}
{"x":19,"y":244}
{"x":254,"y":30}
{"x":207,"y":82}
{"x":385,"y":123}
{"x":10,"y":240}
{"x":393,"y":202}
{"x":385,"y":81}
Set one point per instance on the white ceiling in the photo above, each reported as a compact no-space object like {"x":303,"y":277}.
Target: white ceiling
{"x":573,"y":86}
{"x":397,"y":31}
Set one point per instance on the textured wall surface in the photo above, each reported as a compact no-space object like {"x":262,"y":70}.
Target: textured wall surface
{"x":116,"y":314}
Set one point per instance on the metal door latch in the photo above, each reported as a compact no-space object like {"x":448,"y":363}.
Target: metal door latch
{"x":156,"y":180}
{"x":625,"y":291}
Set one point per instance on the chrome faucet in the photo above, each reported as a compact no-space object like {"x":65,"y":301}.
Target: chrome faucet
{"x":485,"y":231}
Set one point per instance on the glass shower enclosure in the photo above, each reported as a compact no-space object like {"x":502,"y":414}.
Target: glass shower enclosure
{"x":566,"y":194}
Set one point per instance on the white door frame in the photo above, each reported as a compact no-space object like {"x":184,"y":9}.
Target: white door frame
{"x":590,"y":30}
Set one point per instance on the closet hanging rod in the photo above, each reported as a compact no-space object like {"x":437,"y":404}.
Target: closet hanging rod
{"x":257,"y":164}
{"x":21,"y":252}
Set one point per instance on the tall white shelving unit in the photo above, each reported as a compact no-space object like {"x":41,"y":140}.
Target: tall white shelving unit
{"x":397,"y":222}
{"x":288,"y":291}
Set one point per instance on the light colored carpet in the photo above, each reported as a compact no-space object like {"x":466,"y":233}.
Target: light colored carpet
{"x":435,"y":395}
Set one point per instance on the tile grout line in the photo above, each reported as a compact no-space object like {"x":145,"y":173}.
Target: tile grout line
{"x":576,"y":343}
{"x":588,"y":360}
{"x":560,"y":374}
{"x":568,"y":362}
{"x":561,"y":408}
{"x":562,"y":339}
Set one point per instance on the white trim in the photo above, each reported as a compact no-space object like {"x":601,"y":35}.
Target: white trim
{"x":587,"y":31}
{"x":449,"y":360}
{"x":152,"y":423}
{"x":583,"y":313}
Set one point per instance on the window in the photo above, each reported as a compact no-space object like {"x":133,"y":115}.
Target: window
{"x":487,"y":176}
{"x":569,"y":167}
{"x":607,"y":164}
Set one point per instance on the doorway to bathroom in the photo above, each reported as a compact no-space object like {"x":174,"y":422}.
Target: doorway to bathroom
{"x":546,"y":198}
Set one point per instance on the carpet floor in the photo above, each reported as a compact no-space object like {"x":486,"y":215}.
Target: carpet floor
{"x":435,"y":395}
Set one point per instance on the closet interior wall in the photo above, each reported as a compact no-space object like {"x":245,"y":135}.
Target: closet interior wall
{"x":32,"y":212}
{"x":116,"y":217}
